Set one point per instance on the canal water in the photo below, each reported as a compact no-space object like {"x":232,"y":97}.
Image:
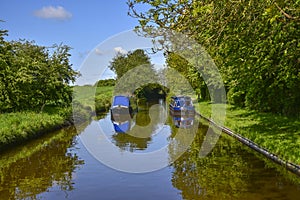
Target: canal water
{"x":64,"y":165}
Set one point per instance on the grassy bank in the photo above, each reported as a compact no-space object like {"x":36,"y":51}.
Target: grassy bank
{"x":21,"y":126}
{"x":103,"y":98}
{"x":278,"y":134}
{"x":98,"y":99}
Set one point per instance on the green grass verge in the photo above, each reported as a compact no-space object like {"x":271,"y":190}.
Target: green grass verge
{"x":103,"y":98}
{"x":96,"y":98}
{"x":21,"y":126}
{"x":18,"y":127}
{"x":279,"y":134}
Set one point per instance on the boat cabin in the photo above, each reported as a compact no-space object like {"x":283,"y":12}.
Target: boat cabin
{"x":181,"y":105}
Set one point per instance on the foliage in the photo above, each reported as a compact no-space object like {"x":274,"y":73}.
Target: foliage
{"x":103,"y":102}
{"x":136,"y":76}
{"x":92,"y":99}
{"x":32,"y":76}
{"x":255,"y":44}
{"x":189,"y":72}
{"x":152,"y":92}
{"x":122,"y":63}
{"x":135,"y":79}
{"x":106,"y":82}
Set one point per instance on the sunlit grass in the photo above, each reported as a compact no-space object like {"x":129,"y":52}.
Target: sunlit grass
{"x":85,"y":95}
{"x":278,"y":134}
{"x":21,"y":126}
{"x":96,"y":98}
{"x":103,"y":98}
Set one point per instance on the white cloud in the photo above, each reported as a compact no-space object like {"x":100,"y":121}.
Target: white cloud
{"x":99,"y":52}
{"x":120,"y":50}
{"x":51,"y":12}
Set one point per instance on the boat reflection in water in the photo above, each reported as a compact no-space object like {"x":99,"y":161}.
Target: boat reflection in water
{"x":122,"y":123}
{"x":128,"y":136}
{"x":183,"y":120}
{"x":121,"y":113}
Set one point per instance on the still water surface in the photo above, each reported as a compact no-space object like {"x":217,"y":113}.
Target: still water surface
{"x":58,"y":166}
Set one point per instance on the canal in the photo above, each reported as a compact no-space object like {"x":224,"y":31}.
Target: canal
{"x":65,"y":164}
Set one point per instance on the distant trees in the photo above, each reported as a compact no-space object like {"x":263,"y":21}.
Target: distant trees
{"x":122,"y":63}
{"x":255,"y":45}
{"x":106,"y":82}
{"x":32,"y":76}
{"x":136,"y":75}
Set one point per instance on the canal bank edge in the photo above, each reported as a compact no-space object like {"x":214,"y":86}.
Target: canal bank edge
{"x":18,"y":128}
{"x":294,"y":168}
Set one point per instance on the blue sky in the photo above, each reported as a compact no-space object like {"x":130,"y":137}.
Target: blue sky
{"x":82,"y":25}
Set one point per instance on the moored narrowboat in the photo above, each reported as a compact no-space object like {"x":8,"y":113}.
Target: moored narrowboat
{"x":181,"y":105}
{"x":120,"y":106}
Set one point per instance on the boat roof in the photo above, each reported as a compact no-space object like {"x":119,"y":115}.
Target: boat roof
{"x":181,"y":97}
{"x":121,"y":100}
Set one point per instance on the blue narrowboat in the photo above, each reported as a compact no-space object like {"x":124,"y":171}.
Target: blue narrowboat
{"x":181,"y":105}
{"x":120,"y":105}
{"x":183,"y":121}
{"x":121,"y":113}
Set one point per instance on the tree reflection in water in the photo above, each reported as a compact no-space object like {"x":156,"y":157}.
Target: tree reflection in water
{"x":216,"y":176}
{"x":130,"y":143}
{"x":146,"y":123}
{"x":39,"y":165}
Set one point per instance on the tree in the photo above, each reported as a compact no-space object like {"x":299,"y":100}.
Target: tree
{"x":124,"y":62}
{"x":136,"y":75}
{"x":32,"y":76}
{"x":106,"y":82}
{"x":181,"y":65}
{"x":255,"y":45}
